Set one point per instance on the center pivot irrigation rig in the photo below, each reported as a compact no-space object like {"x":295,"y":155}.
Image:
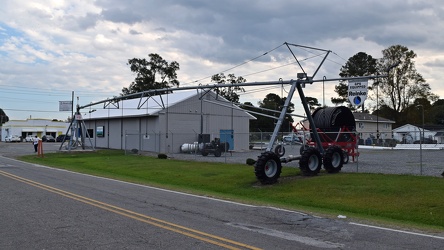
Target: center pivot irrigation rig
{"x":268,"y":167}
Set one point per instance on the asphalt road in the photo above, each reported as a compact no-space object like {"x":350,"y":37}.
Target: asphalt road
{"x":45,"y":208}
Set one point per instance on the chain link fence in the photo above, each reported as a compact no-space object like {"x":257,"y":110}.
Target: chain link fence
{"x":407,"y":155}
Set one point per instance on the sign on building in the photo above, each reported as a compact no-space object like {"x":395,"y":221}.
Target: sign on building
{"x":357,"y":91}
{"x":65,"y":105}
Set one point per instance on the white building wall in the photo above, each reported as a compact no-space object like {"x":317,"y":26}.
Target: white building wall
{"x":410,"y":133}
{"x":369,"y":130}
{"x":39,"y":127}
{"x":179,"y":124}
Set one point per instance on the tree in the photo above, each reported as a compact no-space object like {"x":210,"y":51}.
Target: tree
{"x":253,"y":123}
{"x":437,"y":112}
{"x":3,"y":117}
{"x":274,"y":102}
{"x":413,"y":113}
{"x":384,"y":111}
{"x":312,"y":102}
{"x":229,"y":92}
{"x":156,"y":73}
{"x":404,"y":84}
{"x":360,"y":64}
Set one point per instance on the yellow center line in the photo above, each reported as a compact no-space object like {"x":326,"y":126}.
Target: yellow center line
{"x":205,"y":237}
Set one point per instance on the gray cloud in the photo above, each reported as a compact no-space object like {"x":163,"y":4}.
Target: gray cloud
{"x":436,"y":64}
{"x":127,"y":15}
{"x":86,"y":45}
{"x":74,"y":23}
{"x":247,"y":28}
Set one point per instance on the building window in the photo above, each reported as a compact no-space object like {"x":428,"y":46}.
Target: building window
{"x":361,"y":125}
{"x":100,"y":131}
{"x":90,"y":132}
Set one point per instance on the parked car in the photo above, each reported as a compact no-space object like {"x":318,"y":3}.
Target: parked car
{"x":426,"y":141}
{"x":13,"y":138}
{"x":60,"y":138}
{"x":48,"y":138}
{"x":291,"y":139}
{"x":29,"y":138}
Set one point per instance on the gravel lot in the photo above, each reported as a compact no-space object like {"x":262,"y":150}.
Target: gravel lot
{"x":387,"y":161}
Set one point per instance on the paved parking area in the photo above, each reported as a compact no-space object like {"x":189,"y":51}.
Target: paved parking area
{"x":14,"y":149}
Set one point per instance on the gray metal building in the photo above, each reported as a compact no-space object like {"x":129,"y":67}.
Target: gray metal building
{"x":164,"y":123}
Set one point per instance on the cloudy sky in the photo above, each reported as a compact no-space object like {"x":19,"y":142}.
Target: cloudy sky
{"x":50,"y":49}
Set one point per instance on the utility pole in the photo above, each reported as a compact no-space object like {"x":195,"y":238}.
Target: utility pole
{"x":421,"y":138}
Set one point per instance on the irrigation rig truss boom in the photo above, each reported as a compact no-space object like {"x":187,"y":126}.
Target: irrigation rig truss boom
{"x":269,"y":164}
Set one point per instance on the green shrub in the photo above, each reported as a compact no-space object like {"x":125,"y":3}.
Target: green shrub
{"x":162,"y":156}
{"x":250,"y":161}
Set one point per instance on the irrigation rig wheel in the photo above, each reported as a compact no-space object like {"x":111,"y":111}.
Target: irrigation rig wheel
{"x":346,"y":157}
{"x":310,"y":162}
{"x":268,"y":168}
{"x":303,"y":148}
{"x":279,"y":150}
{"x":333,"y":159}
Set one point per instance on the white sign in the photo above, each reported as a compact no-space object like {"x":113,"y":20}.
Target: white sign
{"x":65,"y":105}
{"x":357,"y":91}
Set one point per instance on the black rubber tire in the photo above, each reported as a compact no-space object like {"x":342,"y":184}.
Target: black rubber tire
{"x":268,"y":168}
{"x":217,"y":152}
{"x":333,"y":159}
{"x":346,"y":157}
{"x":204,"y":153}
{"x":303,"y":148}
{"x":311,"y":162}
{"x":279,"y":150}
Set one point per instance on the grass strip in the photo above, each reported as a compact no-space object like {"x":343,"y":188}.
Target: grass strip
{"x":404,"y":200}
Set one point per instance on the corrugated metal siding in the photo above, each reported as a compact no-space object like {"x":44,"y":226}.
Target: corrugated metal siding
{"x":149,"y":130}
{"x":100,"y":142}
{"x":115,"y":134}
{"x":179,"y":124}
{"x":131,"y":133}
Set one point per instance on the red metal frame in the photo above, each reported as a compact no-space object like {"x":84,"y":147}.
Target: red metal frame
{"x":350,"y":146}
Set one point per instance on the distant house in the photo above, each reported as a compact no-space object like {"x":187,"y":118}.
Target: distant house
{"x":409,"y":133}
{"x":33,"y":127}
{"x":164,"y":123}
{"x":367,"y":127}
{"x":439,"y":136}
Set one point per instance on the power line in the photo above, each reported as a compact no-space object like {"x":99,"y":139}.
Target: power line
{"x":21,"y":100}
{"x":243,"y":63}
{"x":52,"y":91}
{"x":33,"y":110}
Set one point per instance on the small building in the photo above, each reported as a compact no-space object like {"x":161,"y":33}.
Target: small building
{"x":165,"y":123}
{"x":33,"y":127}
{"x":409,"y":133}
{"x":368,"y":125}
{"x":439,"y":136}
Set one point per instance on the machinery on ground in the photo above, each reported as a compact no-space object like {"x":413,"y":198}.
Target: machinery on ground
{"x":332,"y":138}
{"x":215,"y":147}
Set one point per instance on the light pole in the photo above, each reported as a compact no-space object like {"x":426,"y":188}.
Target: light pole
{"x":420,"y":139}
{"x":323,"y":91}
{"x":377,"y":112}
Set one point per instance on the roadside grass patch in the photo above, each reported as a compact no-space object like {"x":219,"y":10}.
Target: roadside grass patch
{"x":396,"y":199}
